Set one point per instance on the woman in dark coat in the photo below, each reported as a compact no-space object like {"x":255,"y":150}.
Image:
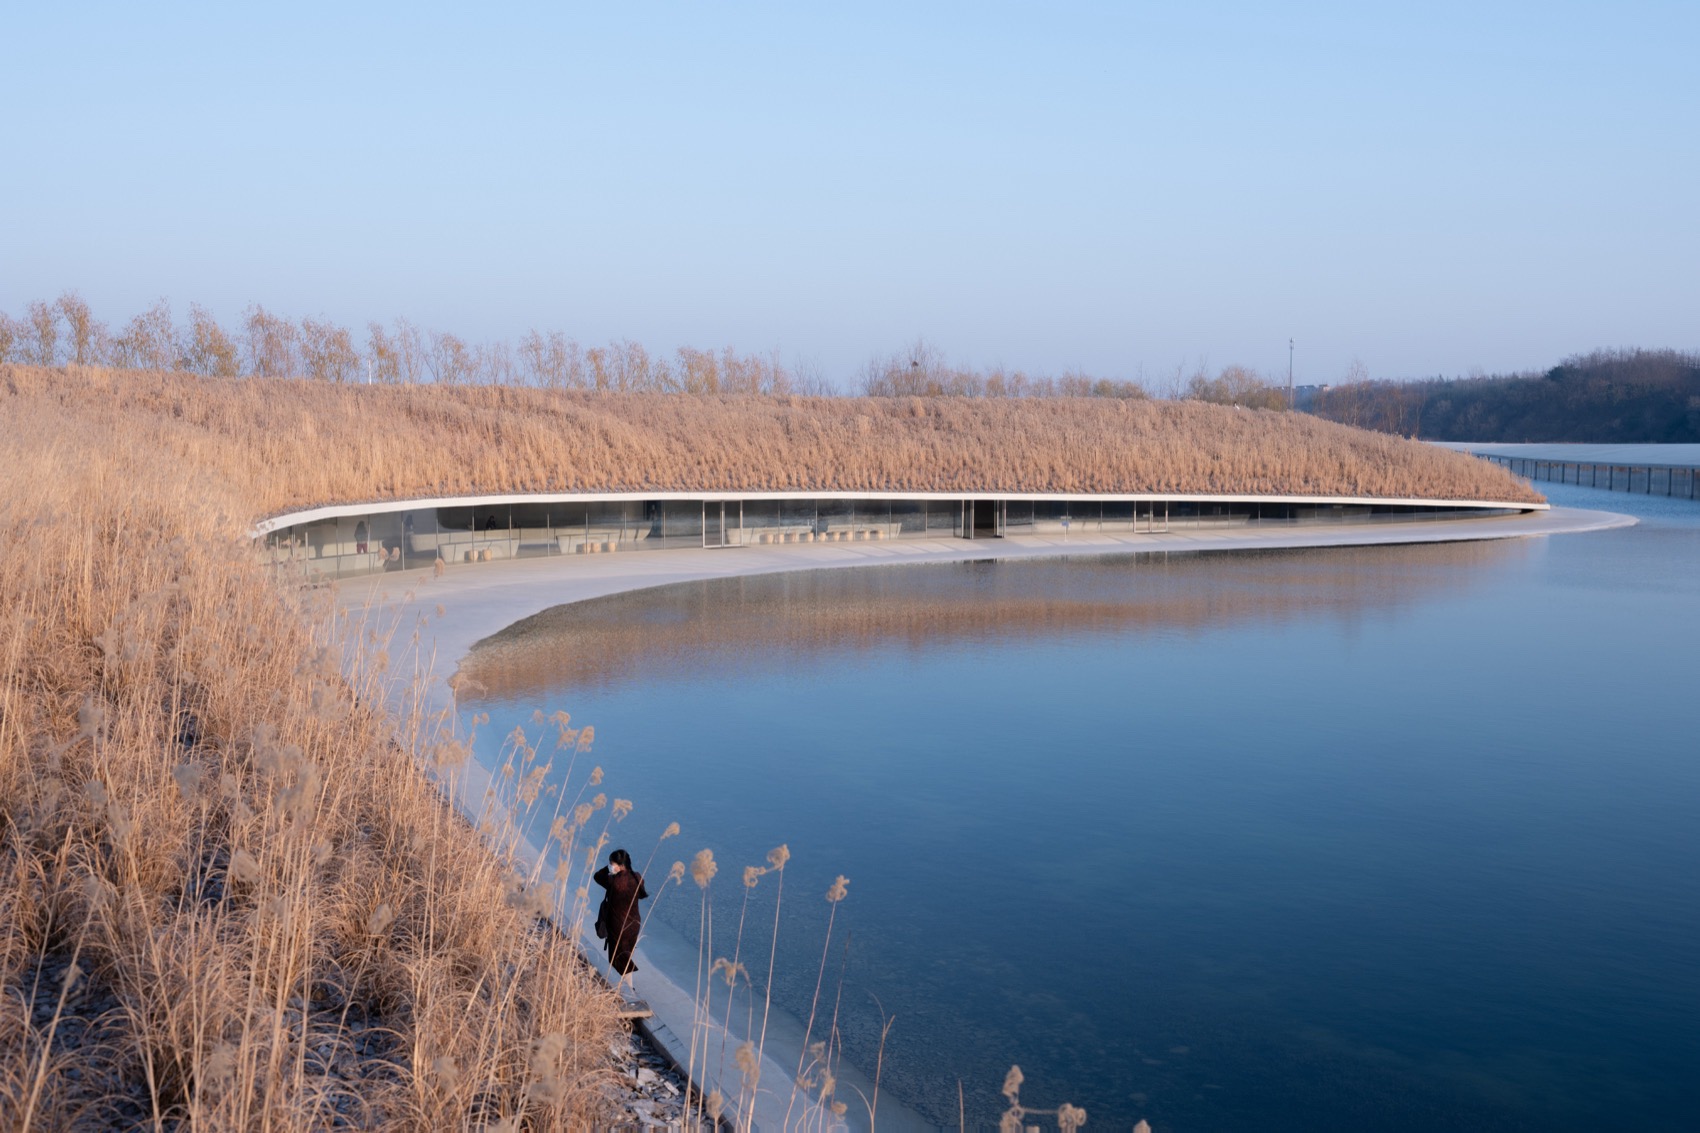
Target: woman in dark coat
{"x":617,"y":921}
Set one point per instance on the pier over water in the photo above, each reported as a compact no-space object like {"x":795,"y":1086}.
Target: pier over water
{"x":1652,"y":470}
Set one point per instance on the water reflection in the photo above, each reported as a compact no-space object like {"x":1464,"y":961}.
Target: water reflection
{"x":770,"y":623}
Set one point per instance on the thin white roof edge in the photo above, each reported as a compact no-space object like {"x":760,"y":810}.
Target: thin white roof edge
{"x":339,"y":511}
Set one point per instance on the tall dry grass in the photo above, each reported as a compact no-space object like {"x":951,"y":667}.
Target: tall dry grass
{"x":229,"y":893}
{"x":284,"y":444}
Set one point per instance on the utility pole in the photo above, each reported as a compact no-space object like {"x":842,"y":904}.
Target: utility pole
{"x":1289,"y":375}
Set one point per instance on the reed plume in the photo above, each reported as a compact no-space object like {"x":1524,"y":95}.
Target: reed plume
{"x":226,"y":864}
{"x":834,"y":895}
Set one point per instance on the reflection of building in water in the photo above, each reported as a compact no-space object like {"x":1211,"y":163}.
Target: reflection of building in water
{"x":767,"y":623}
{"x":335,"y":542}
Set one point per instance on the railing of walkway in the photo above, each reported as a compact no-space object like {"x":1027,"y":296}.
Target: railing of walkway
{"x":1646,"y":479}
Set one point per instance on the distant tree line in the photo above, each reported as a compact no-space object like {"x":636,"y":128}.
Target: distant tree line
{"x":267,"y":345}
{"x":1608,"y":396}
{"x":65,"y":332}
{"x":921,"y":371}
{"x":1622,"y":395}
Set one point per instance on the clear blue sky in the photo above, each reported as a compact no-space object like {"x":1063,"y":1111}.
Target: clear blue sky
{"x":1121,"y":187}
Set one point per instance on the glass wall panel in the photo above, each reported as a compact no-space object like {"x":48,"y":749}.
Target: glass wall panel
{"x":614,"y":525}
{"x":832,"y":520}
{"x":944,"y":517}
{"x":681,"y":522}
{"x":529,"y":517}
{"x":457,"y":534}
{"x":1048,"y":516}
{"x":492,"y":518}
{"x":761,"y":514}
{"x":797,"y":517}
{"x":909,"y":518}
{"x":1225,"y":515}
{"x":568,"y":525}
{"x":870,"y":519}
{"x":319,"y":539}
{"x":564,"y":516}
{"x":448,"y":518}
{"x":339,"y":546}
{"x":761,"y":521}
{"x":618,"y":513}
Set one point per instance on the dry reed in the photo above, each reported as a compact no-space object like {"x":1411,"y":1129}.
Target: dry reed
{"x":287,"y":444}
{"x":229,"y":893}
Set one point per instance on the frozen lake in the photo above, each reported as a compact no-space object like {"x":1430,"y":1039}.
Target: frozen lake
{"x":1386,"y":837}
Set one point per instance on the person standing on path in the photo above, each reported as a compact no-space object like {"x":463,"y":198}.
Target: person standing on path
{"x":617,"y":921}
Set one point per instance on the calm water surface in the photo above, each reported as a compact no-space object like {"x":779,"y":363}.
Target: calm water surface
{"x":1399,"y":838}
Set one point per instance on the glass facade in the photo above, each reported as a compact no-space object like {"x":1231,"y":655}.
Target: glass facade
{"x":394,"y":540}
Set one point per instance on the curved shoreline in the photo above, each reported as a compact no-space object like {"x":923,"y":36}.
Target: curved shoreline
{"x":480,"y":601}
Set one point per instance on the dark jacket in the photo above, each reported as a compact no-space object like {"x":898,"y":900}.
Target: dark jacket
{"x":618,"y":917}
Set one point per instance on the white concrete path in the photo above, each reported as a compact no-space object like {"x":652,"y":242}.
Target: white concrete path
{"x":480,"y":600}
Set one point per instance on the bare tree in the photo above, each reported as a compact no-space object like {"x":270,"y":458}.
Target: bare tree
{"x":271,"y":343}
{"x":777,"y":380}
{"x":534,"y":359}
{"x":44,"y":334}
{"x":496,"y":363}
{"x":1236,"y":385}
{"x":207,"y":349}
{"x":382,"y":354}
{"x":12,"y":334}
{"x":551,"y":362}
{"x":738,"y":374}
{"x":1352,"y":395}
{"x":809,"y":380}
{"x":629,"y":365}
{"x":698,"y":370}
{"x":148,"y":341}
{"x":449,"y":360}
{"x":1119,"y":388}
{"x":327,"y":351}
{"x":920,"y":370}
{"x":87,"y":335}
{"x":596,"y":368}
{"x":410,"y":351}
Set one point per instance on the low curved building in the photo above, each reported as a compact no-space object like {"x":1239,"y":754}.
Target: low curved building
{"x":344,"y":540}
